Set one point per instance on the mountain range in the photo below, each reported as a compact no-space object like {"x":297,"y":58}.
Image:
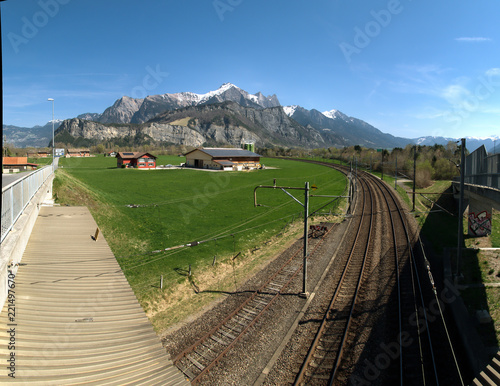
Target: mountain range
{"x":36,"y":136}
{"x":228,"y":115}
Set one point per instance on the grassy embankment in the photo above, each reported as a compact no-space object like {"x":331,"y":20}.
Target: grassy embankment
{"x":41,"y":161}
{"x":141,"y":211}
{"x":439,"y":229}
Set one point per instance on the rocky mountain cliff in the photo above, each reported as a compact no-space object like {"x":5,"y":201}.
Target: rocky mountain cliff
{"x":210,"y":124}
{"x":130,"y":110}
{"x":122,"y":111}
{"x":309,"y":128}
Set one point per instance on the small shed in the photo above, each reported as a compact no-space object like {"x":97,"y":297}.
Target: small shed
{"x":223,"y":159}
{"x":140,"y":160}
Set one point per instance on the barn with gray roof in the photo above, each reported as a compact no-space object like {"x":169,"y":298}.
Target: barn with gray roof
{"x":223,"y":159}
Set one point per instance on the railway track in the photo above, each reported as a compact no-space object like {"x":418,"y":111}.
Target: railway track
{"x":327,"y":343}
{"x":323,"y":361}
{"x":417,"y":365}
{"x":325,"y":352}
{"x":198,"y":359}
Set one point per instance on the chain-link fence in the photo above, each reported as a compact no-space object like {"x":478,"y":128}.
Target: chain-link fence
{"x":16,"y":196}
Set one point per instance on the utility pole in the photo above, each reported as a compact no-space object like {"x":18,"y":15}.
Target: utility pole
{"x":461,"y":206}
{"x":306,"y":216}
{"x":356,"y":173}
{"x":414,"y":174}
{"x":382,"y":164}
{"x":396,"y":174}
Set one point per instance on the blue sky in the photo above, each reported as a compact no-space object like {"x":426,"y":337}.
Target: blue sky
{"x":410,"y":68}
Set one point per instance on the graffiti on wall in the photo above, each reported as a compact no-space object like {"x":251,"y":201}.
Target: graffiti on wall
{"x":480,"y":224}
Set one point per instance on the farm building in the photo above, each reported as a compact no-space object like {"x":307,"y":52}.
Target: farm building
{"x":138,"y":160}
{"x":39,"y":154}
{"x":17,"y":164}
{"x":222,"y":159}
{"x":44,"y":154}
{"x":78,"y":153}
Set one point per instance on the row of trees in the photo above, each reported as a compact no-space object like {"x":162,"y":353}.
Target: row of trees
{"x":436,"y":162}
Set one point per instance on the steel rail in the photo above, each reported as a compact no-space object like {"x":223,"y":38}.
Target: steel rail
{"x":211,"y":333}
{"x":342,"y":345}
{"x":398,"y":287}
{"x":306,"y":363}
{"x":418,"y":294}
{"x":424,"y":348}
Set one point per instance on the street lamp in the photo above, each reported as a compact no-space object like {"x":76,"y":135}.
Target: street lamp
{"x":53,"y":157}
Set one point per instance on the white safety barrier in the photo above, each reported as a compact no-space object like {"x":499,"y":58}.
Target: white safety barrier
{"x":16,"y":196}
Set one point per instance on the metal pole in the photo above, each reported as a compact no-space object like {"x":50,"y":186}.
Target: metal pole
{"x":461,"y":206}
{"x":306,"y":215}
{"x":1,"y":95}
{"x":396,"y":174}
{"x":382,"y":164}
{"x":53,"y":158}
{"x":53,"y":138}
{"x":414,"y":174}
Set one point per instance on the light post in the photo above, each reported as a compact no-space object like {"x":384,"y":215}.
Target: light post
{"x":1,"y":94}
{"x":53,"y":152}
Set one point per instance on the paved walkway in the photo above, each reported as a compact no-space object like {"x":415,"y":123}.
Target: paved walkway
{"x":77,"y":321}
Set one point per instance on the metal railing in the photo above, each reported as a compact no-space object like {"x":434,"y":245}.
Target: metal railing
{"x":16,"y":196}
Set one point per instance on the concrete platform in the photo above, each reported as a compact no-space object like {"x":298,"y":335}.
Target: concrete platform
{"x":76,"y":320}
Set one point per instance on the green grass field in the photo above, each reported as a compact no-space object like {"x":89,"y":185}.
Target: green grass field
{"x":142,"y":211}
{"x":41,"y":161}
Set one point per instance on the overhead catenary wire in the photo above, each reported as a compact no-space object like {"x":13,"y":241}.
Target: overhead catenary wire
{"x":225,"y":233}
{"x":146,"y":286}
{"x":210,"y":237}
{"x":177,"y":248}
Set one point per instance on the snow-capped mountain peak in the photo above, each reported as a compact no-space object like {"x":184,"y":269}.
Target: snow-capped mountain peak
{"x":333,"y":114}
{"x":221,"y":90}
{"x":290,"y":110}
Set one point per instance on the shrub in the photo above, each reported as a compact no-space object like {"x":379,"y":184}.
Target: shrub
{"x":424,"y":174}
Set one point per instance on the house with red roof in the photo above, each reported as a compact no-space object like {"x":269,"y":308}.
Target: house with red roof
{"x":140,"y":160}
